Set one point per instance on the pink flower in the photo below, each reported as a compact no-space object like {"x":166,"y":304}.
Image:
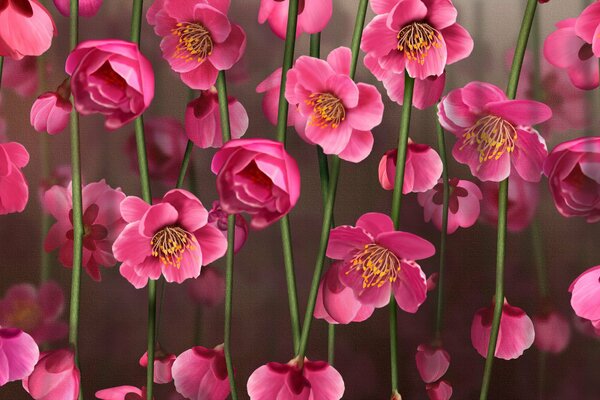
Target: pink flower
{"x":218,"y":218}
{"x":313,"y":15}
{"x":18,"y":355}
{"x":422,"y":169}
{"x":198,"y":40}
{"x":61,"y":175}
{"x":50,"y":113}
{"x":165,"y":147}
{"x":516,"y":332}
{"x":26,"y":28}
{"x":14,"y":191}
{"x":441,"y":390}
{"x":101,"y":219}
{"x":432,"y":362}
{"x":379,"y":260}
{"x":203,"y":119}
{"x":494,"y":132}
{"x":585,"y":295}
{"x":552,"y":332}
{"x":87,"y":8}
{"x":201,"y":373}
{"x":21,"y":76}
{"x":110,"y":77}
{"x":34,"y":311}
{"x":336,"y":303}
{"x":574,"y":178}
{"x":463,"y":204}
{"x":170,"y":237}
{"x":270,"y":102}
{"x":309,"y":380}
{"x":256,"y":176}
{"x":122,"y":393}
{"x":334,"y":112}
{"x":209,"y":288}
{"x":55,"y":377}
{"x":163,"y":364}
{"x":419,"y":35}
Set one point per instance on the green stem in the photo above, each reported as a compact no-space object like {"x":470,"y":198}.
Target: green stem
{"x":184,"y":164}
{"x":1,"y":67}
{"x":226,"y":130}
{"x":330,"y":344}
{"x":359,"y":25}
{"x":393,"y":344}
{"x":444,"y":234}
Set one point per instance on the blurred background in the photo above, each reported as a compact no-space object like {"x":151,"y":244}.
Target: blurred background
{"x":113,"y":313}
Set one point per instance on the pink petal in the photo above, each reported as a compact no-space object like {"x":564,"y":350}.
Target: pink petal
{"x":406,"y":245}
{"x":410,"y":290}
{"x":345,"y":239}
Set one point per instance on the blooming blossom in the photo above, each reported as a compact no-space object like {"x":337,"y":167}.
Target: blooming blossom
{"x":18,"y":355}
{"x":14,"y":191}
{"x":163,"y":363}
{"x":50,"y":113}
{"x":209,"y":288}
{"x":122,"y":393}
{"x":552,"y":332}
{"x":270,"y":102}
{"x":432,"y":362}
{"x":585,"y":296}
{"x":201,"y":373}
{"x":87,"y":8}
{"x":313,"y":15}
{"x":55,"y":376}
{"x":218,"y":218}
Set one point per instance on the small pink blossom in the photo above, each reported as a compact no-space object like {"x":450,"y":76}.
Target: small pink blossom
{"x":21,"y":75}
{"x":101,"y":219}
{"x":516,"y":332}
{"x":423,"y":168}
{"x":122,"y":393}
{"x":494,"y":132}
{"x":203,"y":119}
{"x":313,"y":15}
{"x":171,"y":238}
{"x":87,"y":8}
{"x":50,"y":113}
{"x":552,"y":332}
{"x":201,"y":373}
{"x":334,"y":112}
{"x":585,"y":295}
{"x":309,"y":380}
{"x":14,"y":191}
{"x":110,"y":77}
{"x":441,"y":390}
{"x":18,"y":355}
{"x":256,"y":176}
{"x":209,"y":288}
{"x":270,"y":102}
{"x":55,"y":376}
{"x":432,"y":362}
{"x":463,"y":204}
{"x":34,"y":311}
{"x":218,"y":218}
{"x":163,"y":364}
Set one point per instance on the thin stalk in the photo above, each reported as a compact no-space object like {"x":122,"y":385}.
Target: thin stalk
{"x":1,"y":67}
{"x":330,"y":344}
{"x":444,"y":234}
{"x":359,"y":25}
{"x":393,"y":344}
{"x":226,"y":130}
{"x":184,"y":164}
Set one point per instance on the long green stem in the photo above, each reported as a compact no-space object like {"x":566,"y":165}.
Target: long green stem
{"x":184,"y":164}
{"x":444,"y":234}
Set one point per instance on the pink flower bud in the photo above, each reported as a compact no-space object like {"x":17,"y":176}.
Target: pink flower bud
{"x":432,"y":362}
{"x":50,"y":113}
{"x":441,"y":390}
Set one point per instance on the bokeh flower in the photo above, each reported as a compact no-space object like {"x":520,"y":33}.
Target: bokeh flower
{"x":313,"y":15}
{"x":441,"y":390}
{"x":432,"y":362}
{"x":209,"y":288}
{"x":552,"y":332}
{"x":14,"y":191}
{"x":87,"y":8}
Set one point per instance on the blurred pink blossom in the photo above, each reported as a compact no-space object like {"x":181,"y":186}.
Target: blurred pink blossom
{"x":18,"y":355}
{"x":201,"y":373}
{"x":441,"y":390}
{"x":552,"y":332}
{"x":55,"y":376}
{"x":313,"y":15}
{"x":209,"y":288}
{"x":14,"y":191}
{"x":21,"y":75}
{"x":87,"y":8}
{"x":432,"y":362}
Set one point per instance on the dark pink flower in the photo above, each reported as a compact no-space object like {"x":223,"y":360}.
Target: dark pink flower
{"x":110,"y":77}
{"x":34,"y":311}
{"x":209,"y":288}
{"x":21,"y":75}
{"x":55,"y":376}
{"x":163,"y":364}
{"x":256,"y":176}
{"x":432,"y":362}
{"x":441,"y":390}
{"x":18,"y":355}
{"x":203,"y":119}
{"x":101,"y":219}
{"x":552,"y":332}
{"x":585,"y":295}
{"x":422,"y":169}
{"x":14,"y":191}
{"x":313,"y":15}
{"x":419,"y":35}
{"x":201,"y":373}
{"x":334,"y":112}
{"x":463,"y":204}
{"x":218,"y":218}
{"x":270,"y":102}
{"x":87,"y":8}
{"x":50,"y":113}
{"x":309,"y":380}
{"x":122,"y":393}
{"x":379,"y":260}
{"x":198,"y":39}
{"x":493,"y":132}
{"x":170,"y":238}
{"x":516,"y":332}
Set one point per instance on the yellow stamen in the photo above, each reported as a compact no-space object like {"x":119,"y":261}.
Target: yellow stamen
{"x":493,"y":136}
{"x":377,"y":265}
{"x":328,"y":110}
{"x":170,"y":243}
{"x":416,"y":39}
{"x":195,"y":42}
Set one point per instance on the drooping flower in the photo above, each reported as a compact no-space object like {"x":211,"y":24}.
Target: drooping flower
{"x":423,"y":168}
{"x":170,"y":237}
{"x":379,"y":261}
{"x":337,"y":303}
{"x":334,"y":112}
{"x":417,"y":35}
{"x":256,"y":176}
{"x":432,"y":362}
{"x":203,"y":119}
{"x":574,"y":178}
{"x":163,"y":364}
{"x":26,"y":28}
{"x":295,"y":380}
{"x":201,"y":373}
{"x":50,"y":112}
{"x":165,"y":147}
{"x":552,"y":332}
{"x":110,"y":77}
{"x":218,"y":218}
{"x":18,"y":355}
{"x":122,"y":393}
{"x":270,"y":102}
{"x":34,"y":311}
{"x":14,"y":191}
{"x":198,"y":39}
{"x":313,"y":15}
{"x":209,"y":288}
{"x":87,"y":8}
{"x":463,"y":204}
{"x":21,"y":75}
{"x":101,"y":220}
{"x":515,"y":336}
{"x":585,"y":296}
{"x":441,"y":390}
{"x":55,"y":376}
{"x":493,"y":132}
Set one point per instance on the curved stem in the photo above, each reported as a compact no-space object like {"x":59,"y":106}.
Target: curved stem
{"x":444,"y":234}
{"x":184,"y":164}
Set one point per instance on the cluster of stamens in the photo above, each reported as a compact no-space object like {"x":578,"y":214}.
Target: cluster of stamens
{"x":195,"y":42}
{"x":170,"y":243}
{"x":377,"y":265}
{"x":493,"y":136}
{"x":416,"y":39}
{"x":328,"y":110}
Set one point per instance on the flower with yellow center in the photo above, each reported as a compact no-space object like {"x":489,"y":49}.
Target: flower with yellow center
{"x":377,"y":265}
{"x":328,"y":110}
{"x":195,"y":42}
{"x":169,"y":244}
{"x":493,"y":137}
{"x":415,"y":40}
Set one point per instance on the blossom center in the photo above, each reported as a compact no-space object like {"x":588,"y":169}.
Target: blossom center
{"x":256,"y":175}
{"x":328,"y":110}
{"x":25,"y":315}
{"x":195,"y":42}
{"x":377,"y":265}
{"x":493,"y":136}
{"x":109,"y":75}
{"x":416,"y":39}
{"x":170,"y":243}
